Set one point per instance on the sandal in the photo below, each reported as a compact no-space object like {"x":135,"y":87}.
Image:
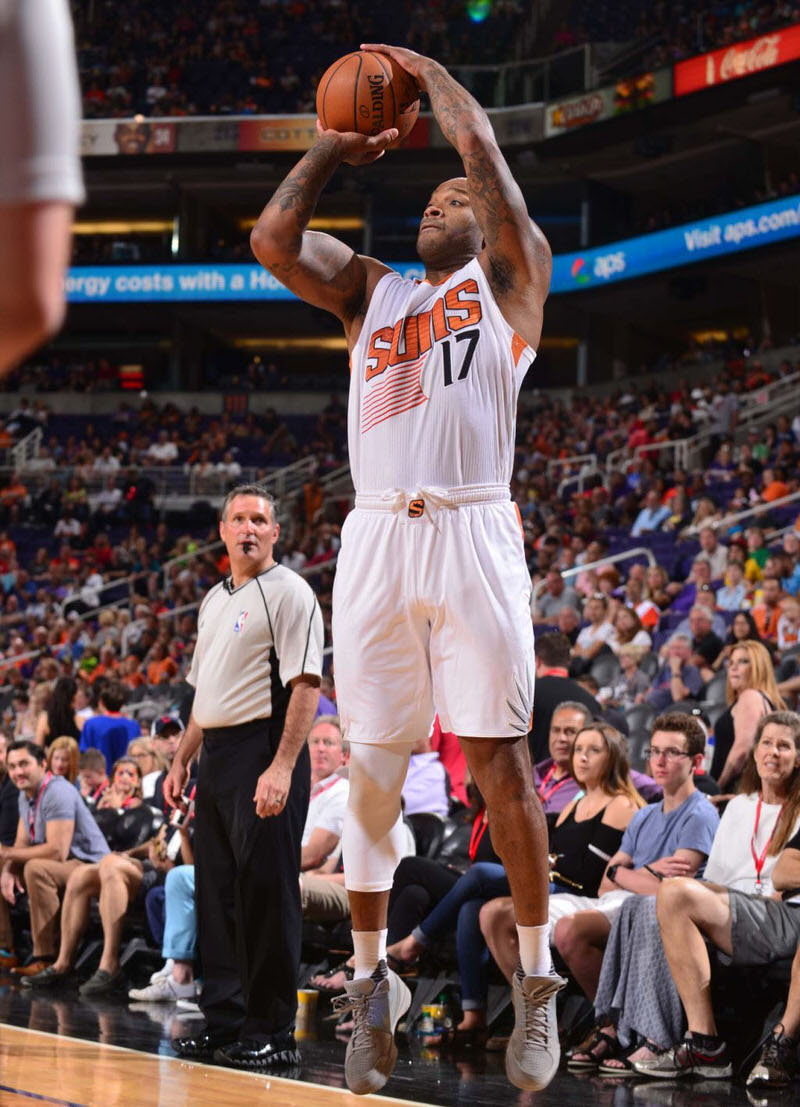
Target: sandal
{"x":332,"y":982}
{"x":625,"y":1066}
{"x":597,"y":1048}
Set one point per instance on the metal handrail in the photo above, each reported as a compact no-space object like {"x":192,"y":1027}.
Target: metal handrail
{"x":610,"y":560}
{"x":581,"y":477}
{"x":555,"y":462}
{"x":726,"y":520}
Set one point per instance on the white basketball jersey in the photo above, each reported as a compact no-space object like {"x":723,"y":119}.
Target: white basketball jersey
{"x":435,"y":376}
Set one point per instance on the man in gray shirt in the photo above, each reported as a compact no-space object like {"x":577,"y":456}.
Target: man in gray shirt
{"x":56,"y":833}
{"x":553,"y":599}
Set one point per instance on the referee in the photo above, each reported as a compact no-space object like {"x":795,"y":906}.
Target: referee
{"x":256,"y":672}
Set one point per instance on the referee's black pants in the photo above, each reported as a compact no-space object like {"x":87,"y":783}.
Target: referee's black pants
{"x":249,"y":918}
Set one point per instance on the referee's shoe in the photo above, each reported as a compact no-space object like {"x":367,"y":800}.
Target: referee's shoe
{"x":254,"y":1055}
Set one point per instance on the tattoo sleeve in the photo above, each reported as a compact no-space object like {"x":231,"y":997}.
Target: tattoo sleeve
{"x":293,"y":202}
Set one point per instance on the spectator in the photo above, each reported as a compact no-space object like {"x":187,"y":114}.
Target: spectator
{"x":426,"y":787}
{"x":150,"y":761}
{"x":657,"y":582}
{"x":677,"y":679}
{"x":555,"y":785}
{"x":9,"y":804}
{"x":734,"y":595}
{"x":686,"y":594}
{"x":92,"y":776}
{"x":628,"y":631}
{"x":705,"y":645}
{"x":651,"y":516}
{"x":323,"y":828}
{"x":655,"y":845}
{"x":58,"y":717}
{"x":757,"y":554}
{"x":62,"y":758}
{"x":553,"y":600}
{"x":177,"y":934}
{"x":109,"y":731}
{"x":711,"y":551}
{"x":751,"y":692}
{"x":789,"y":623}
{"x":594,"y":637}
{"x":765,"y":929}
{"x":767,"y":613}
{"x":56,"y":834}
{"x":631,"y":684}
{"x":553,"y":687}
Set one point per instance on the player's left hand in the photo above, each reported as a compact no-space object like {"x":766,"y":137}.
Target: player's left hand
{"x":413,"y":63}
{"x":272,"y":791}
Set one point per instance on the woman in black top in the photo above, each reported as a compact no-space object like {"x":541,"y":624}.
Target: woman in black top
{"x":58,"y":718}
{"x":751,"y":693}
{"x":743,"y":627}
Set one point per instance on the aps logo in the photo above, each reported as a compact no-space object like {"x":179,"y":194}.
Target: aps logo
{"x":578,"y":271}
{"x":604,"y":266}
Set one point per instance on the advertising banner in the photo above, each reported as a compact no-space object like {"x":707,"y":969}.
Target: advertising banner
{"x":761,"y":225}
{"x":740,"y":60}
{"x":630,"y":94}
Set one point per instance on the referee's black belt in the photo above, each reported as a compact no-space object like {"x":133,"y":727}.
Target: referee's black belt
{"x":216,"y":736}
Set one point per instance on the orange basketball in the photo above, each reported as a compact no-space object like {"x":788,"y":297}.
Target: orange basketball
{"x":367,"y":93}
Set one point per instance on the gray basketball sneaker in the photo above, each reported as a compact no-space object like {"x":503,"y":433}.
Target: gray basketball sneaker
{"x":377,"y":1004}
{"x":534,"y":1051}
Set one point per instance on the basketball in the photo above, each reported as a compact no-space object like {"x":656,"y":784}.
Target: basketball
{"x":367,"y":93}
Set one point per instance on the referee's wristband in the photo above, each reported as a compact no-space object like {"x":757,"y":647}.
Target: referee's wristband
{"x":653,"y":872}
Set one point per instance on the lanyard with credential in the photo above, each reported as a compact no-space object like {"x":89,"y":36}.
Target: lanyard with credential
{"x":759,"y":859}
{"x":544,"y":794}
{"x":32,"y":813}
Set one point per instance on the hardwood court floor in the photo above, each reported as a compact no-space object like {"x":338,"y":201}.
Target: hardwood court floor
{"x":60,"y":1051}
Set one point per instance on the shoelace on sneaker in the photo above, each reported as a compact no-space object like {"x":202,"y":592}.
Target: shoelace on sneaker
{"x":357,"y":1006}
{"x":536,"y":1015}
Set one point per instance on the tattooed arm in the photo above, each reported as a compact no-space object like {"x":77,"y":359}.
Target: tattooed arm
{"x":516,"y":256}
{"x":317,"y":267}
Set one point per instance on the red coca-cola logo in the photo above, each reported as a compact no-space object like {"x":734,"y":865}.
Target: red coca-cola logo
{"x":763,"y":53}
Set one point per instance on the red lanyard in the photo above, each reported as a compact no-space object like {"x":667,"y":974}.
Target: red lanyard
{"x":478,"y":831}
{"x":321,"y":790}
{"x":759,"y":859}
{"x":544,"y":796}
{"x":32,"y":817}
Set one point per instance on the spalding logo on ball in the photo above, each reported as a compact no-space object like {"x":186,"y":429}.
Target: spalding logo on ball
{"x":367,"y":93}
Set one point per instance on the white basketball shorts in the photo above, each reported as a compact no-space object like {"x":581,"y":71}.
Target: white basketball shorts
{"x":431,"y":613}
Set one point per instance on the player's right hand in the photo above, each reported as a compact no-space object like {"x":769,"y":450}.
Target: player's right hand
{"x":357,"y":149}
{"x":174,"y":785}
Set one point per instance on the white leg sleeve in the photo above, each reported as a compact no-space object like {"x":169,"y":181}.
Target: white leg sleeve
{"x":373,"y":837}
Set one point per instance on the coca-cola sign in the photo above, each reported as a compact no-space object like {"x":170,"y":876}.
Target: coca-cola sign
{"x":736,"y":61}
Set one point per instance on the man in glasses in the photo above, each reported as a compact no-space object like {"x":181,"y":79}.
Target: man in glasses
{"x":670,"y":838}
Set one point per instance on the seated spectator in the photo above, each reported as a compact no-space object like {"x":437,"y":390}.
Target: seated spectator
{"x":62,"y":758}
{"x":677,"y":679}
{"x":555,"y":597}
{"x":713,"y":552}
{"x":555,"y":784}
{"x":734,"y":595}
{"x":568,"y":624}
{"x":116,"y":882}
{"x":705,"y":645}
{"x":767,"y":611}
{"x":631,"y":684}
{"x":743,"y":921}
{"x":743,"y":627}
{"x":628,"y":631}
{"x":789,"y":623}
{"x":757,"y":554}
{"x":657,"y":580}
{"x":151,"y":764}
{"x":635,"y":982}
{"x":426,"y":786}
{"x":686,"y":594}
{"x":109,"y":731}
{"x":172,"y":918}
{"x":9,"y":802}
{"x":776,"y":1066}
{"x":594,"y":637}
{"x":651,"y":516}
{"x":553,"y":687}
{"x":751,"y":692}
{"x":58,"y":718}
{"x":635,"y":597}
{"x":671,"y":838}
{"x":92,"y":776}
{"x":56,"y":835}
{"x":124,"y":790}
{"x":323,"y":828}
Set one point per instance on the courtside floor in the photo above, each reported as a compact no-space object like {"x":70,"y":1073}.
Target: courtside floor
{"x":66,"y":1052}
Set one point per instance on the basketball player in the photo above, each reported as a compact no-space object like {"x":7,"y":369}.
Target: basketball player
{"x":40,"y":172}
{"x":431,"y":600}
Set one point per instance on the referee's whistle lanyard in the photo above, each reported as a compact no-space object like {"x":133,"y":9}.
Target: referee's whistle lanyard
{"x":760,"y":858}
{"x":32,"y":812}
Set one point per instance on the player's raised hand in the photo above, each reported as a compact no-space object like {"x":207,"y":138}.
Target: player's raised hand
{"x":357,"y":149}
{"x":410,"y":60}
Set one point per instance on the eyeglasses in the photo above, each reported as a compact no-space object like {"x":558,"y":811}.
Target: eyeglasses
{"x":671,"y":753}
